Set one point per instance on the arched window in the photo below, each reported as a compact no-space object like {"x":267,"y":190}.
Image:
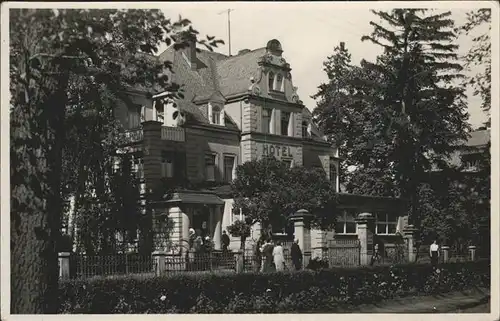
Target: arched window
{"x":271,"y":81}
{"x":279,"y":83}
{"x":305,"y":134}
{"x":216,"y":115}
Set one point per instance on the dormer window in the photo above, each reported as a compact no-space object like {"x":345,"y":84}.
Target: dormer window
{"x":271,"y":81}
{"x":216,"y":114}
{"x":279,"y":83}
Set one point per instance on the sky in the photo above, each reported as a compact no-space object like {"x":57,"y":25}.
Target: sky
{"x":308,"y":33}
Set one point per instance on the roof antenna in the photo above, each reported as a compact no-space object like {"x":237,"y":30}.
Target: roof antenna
{"x":228,"y":11}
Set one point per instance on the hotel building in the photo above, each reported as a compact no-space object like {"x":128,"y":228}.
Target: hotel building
{"x":234,"y":109}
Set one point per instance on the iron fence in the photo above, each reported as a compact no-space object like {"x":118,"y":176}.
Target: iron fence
{"x":205,"y":261}
{"x":85,"y":266}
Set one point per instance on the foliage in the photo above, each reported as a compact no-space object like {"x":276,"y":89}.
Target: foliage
{"x":239,"y":228}
{"x":317,"y":264}
{"x":63,"y":63}
{"x":457,"y":206}
{"x":268,"y":191}
{"x":327,"y":290}
{"x":479,"y":24}
{"x":403,"y":113}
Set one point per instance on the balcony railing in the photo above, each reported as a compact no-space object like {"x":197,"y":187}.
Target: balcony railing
{"x":173,"y":133}
{"x":134,"y":135}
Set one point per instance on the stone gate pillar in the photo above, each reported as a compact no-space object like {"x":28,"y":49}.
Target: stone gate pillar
{"x":302,"y":232}
{"x":410,"y":233}
{"x":365,"y":222}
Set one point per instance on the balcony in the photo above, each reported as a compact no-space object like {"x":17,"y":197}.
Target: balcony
{"x":176,"y":134}
{"x":134,"y":135}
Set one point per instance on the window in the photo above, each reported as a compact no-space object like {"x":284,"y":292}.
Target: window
{"x":228,"y":168}
{"x":288,"y":162}
{"x":305,"y":133}
{"x":271,"y":81}
{"x":216,"y":113}
{"x":167,"y":165}
{"x":385,"y":223}
{"x":285,"y":119}
{"x":134,"y":116}
{"x":210,"y":167}
{"x":279,"y":82}
{"x":333,"y":173}
{"x":346,"y":223}
{"x":266,"y":120}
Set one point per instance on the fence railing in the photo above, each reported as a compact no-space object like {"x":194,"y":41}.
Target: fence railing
{"x":342,"y":253}
{"x":134,"y":135}
{"x":214,"y":261}
{"x":85,"y":266}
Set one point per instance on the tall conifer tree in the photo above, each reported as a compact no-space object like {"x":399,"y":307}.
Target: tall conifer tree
{"x":409,"y":106}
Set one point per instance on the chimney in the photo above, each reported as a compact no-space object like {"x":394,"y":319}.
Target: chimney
{"x":192,"y":52}
{"x":189,"y":51}
{"x":243,"y":51}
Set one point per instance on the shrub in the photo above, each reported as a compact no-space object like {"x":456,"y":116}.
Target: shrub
{"x":317,"y":264}
{"x":326,"y":290}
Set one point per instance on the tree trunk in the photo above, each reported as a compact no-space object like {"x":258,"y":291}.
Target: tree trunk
{"x":34,"y":257}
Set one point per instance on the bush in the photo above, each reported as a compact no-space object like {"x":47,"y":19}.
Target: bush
{"x":317,"y":264}
{"x":327,"y":291}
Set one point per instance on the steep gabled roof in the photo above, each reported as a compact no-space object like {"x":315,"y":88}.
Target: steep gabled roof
{"x":217,"y":76}
{"x":234,"y":73}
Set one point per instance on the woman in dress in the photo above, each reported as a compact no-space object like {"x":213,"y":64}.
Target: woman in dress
{"x":434,"y":254}
{"x":279,"y":258}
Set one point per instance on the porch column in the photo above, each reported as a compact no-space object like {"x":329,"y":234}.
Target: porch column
{"x":218,"y":228}
{"x":409,"y":233}
{"x":302,"y":232}
{"x":180,"y":231}
{"x":256,"y":231}
{"x":365,"y":235}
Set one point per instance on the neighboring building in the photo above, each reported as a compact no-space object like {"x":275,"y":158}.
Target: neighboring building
{"x":235,"y":109}
{"x":469,"y":156}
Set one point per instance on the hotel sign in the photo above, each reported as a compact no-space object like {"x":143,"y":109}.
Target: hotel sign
{"x":277,"y":150}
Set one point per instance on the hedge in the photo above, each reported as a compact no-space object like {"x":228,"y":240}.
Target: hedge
{"x":324,"y":291}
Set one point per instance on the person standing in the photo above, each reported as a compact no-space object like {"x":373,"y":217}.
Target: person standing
{"x":376,"y":254}
{"x":279,"y":257}
{"x":296,"y":254}
{"x":434,"y":254}
{"x":225,"y":241}
{"x":258,"y":255}
{"x":267,"y":253}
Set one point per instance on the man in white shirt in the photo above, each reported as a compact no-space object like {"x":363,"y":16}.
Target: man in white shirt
{"x":434,"y":253}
